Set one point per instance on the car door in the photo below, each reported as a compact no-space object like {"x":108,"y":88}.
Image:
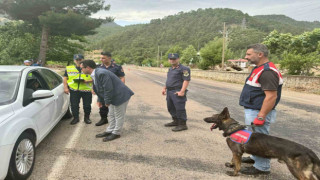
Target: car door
{"x":42,"y":110}
{"x":55,"y":84}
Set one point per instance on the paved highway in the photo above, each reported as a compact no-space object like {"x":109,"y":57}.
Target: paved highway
{"x":148,"y":150}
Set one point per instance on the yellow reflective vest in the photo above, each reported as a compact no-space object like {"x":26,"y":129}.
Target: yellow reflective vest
{"x":73,"y":80}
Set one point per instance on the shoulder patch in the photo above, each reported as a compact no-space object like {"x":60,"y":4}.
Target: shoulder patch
{"x":185,"y":73}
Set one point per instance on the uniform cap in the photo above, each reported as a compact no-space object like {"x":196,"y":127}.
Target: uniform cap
{"x":78,"y":56}
{"x":173,"y":56}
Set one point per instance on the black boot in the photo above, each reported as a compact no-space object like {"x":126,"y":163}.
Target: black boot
{"x":182,"y":125}
{"x":75,"y":120}
{"x":103,"y":120}
{"x":173,"y":123}
{"x":87,"y":119}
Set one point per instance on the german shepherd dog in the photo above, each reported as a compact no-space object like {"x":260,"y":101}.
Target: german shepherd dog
{"x":302,"y":162}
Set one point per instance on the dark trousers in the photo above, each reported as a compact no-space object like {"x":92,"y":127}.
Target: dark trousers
{"x":103,"y":111}
{"x":176,"y":105}
{"x":75,"y":97}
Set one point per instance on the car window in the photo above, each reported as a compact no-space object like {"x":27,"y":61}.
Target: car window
{"x":33,"y":83}
{"x":52,"y":79}
{"x":8,"y":86}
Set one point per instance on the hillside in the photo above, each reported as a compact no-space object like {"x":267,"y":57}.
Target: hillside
{"x":287,"y":24}
{"x":105,"y":30}
{"x":138,"y":42}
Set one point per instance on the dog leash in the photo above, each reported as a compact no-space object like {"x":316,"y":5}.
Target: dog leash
{"x":252,"y":127}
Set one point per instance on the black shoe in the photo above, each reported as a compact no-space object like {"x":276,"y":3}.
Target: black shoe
{"x":111,"y":137}
{"x":180,"y":128}
{"x":253,"y":171}
{"x":182,"y":125}
{"x":74,"y":121}
{"x":87,"y":119}
{"x":104,"y":134}
{"x":102,"y":122}
{"x":171,"y":124}
{"x":247,"y":160}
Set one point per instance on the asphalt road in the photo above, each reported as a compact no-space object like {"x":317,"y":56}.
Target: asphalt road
{"x":148,"y":150}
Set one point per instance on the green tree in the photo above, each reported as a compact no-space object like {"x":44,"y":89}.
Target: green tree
{"x":240,"y":38}
{"x":174,"y":49}
{"x":17,"y":43}
{"x":55,"y":17}
{"x":277,"y":42}
{"x":189,"y":56}
{"x":212,"y":54}
{"x":300,"y":64}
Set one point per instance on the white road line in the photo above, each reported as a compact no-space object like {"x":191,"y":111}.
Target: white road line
{"x":61,"y":162}
{"x":159,"y":82}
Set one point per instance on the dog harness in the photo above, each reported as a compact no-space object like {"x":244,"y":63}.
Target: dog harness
{"x":241,"y":136}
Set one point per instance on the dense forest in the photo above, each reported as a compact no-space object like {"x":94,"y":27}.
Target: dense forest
{"x":139,"y":43}
{"x":196,"y":35}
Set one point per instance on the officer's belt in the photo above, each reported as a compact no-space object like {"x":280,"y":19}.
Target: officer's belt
{"x":173,"y":88}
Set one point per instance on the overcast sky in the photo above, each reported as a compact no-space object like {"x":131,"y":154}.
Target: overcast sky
{"x":142,"y":11}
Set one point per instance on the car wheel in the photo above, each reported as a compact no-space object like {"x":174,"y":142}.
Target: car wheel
{"x":68,"y":113}
{"x":22,"y":158}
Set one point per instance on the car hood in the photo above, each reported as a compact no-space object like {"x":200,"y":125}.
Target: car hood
{"x":5,"y":112}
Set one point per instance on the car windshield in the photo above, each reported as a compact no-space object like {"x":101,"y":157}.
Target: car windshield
{"x":8,"y":86}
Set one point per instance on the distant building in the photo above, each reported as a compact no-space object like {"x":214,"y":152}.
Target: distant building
{"x":239,"y":62}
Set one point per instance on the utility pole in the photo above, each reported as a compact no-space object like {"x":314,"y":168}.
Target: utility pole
{"x":158,"y":56}
{"x":223,"y":44}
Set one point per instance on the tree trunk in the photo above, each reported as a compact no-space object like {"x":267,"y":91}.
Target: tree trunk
{"x":44,"y":45}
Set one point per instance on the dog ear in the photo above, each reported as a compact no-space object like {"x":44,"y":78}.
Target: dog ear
{"x":225,"y":114}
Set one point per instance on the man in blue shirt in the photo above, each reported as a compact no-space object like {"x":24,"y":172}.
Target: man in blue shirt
{"x":178,"y":79}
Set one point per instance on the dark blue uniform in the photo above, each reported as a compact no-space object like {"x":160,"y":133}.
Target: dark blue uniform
{"x":118,"y":71}
{"x":177,"y":104}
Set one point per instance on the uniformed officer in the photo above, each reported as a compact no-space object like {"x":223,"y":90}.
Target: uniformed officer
{"x":108,"y":63}
{"x":178,"y":79}
{"x":79,"y":86}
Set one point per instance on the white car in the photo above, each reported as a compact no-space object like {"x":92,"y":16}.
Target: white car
{"x":32,"y":101}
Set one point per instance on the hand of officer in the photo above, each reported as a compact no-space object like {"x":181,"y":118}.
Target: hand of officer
{"x":259,"y":121}
{"x":66,"y":90}
{"x":164,"y":91}
{"x":92,"y":92}
{"x":107,"y":105}
{"x":99,"y":104}
{"x":180,"y":93}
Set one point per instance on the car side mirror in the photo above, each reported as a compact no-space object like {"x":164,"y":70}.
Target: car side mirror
{"x":42,"y":94}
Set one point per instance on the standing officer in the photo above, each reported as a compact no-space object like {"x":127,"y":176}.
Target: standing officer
{"x":79,"y":86}
{"x":178,"y":79}
{"x":260,"y":95}
{"x":108,"y":63}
